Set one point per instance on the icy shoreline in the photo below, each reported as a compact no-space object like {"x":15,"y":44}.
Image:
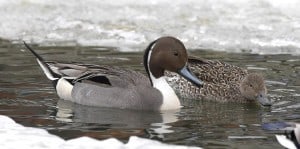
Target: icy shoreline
{"x":254,"y":26}
{"x":16,"y":136}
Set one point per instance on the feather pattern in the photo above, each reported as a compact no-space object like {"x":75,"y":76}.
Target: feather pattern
{"x":91,"y":73}
{"x":222,"y":81}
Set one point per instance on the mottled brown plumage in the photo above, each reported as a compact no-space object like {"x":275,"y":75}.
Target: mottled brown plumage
{"x":222,"y":82}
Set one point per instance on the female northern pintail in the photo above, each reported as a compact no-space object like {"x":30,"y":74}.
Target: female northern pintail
{"x":106,"y":86}
{"x":222,"y":82}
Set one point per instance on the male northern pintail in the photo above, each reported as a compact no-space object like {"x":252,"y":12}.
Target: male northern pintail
{"x":106,"y":86}
{"x":222,"y":82}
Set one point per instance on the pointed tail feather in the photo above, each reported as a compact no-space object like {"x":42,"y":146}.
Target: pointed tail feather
{"x":48,"y":72}
{"x":33,"y":52}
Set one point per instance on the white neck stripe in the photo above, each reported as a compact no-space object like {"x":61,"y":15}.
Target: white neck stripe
{"x":170,"y":99}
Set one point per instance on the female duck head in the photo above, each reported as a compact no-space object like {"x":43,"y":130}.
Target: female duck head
{"x":253,"y":87}
{"x":168,"y":53}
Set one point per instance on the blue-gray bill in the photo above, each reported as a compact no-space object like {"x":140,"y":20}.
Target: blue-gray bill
{"x":186,"y":73}
{"x":264,"y":100}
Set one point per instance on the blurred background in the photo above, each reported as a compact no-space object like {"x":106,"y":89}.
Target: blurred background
{"x":255,"y":26}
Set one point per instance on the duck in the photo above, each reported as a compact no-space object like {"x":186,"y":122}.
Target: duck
{"x":291,"y":138}
{"x":115,"y":87}
{"x":223,"y":82}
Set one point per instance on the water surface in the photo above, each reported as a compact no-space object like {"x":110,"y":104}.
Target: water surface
{"x":29,"y":98}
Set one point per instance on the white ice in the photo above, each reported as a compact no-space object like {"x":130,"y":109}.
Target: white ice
{"x":254,"y":26}
{"x":16,"y":136}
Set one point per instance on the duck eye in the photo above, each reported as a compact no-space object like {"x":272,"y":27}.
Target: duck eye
{"x":251,"y":85}
{"x":175,"y":52}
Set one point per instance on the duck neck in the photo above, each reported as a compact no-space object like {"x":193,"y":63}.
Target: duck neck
{"x":147,"y":56}
{"x":170,"y":99}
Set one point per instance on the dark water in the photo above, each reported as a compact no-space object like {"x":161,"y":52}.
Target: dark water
{"x":29,"y":98}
